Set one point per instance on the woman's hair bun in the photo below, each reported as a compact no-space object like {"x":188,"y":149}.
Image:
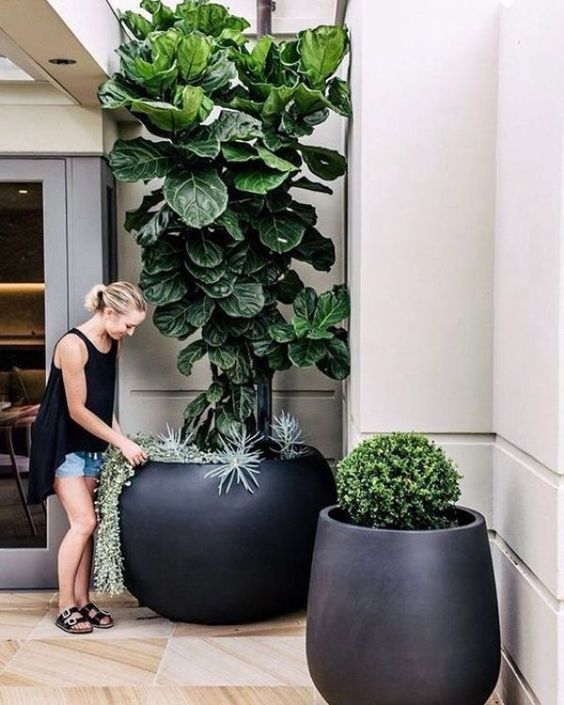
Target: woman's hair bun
{"x":94,"y":300}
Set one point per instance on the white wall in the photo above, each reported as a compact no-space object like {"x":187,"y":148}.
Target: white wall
{"x":455,"y":262}
{"x":421,"y":224}
{"x":529,"y":305}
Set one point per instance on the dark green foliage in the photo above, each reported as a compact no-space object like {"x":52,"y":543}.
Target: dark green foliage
{"x":220,"y":233}
{"x":398,"y":481}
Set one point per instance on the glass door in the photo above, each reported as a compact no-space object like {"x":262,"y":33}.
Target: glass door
{"x":33,"y":315}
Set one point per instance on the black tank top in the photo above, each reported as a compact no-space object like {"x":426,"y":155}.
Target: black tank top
{"x":54,"y":434}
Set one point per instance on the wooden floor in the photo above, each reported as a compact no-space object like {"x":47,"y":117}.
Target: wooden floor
{"x":15,"y":531}
{"x":148,"y":660}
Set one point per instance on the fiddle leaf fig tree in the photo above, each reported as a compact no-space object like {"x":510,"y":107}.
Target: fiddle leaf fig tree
{"x":222,"y":232}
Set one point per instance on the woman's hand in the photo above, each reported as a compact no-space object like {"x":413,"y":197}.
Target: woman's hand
{"x":133,"y":452}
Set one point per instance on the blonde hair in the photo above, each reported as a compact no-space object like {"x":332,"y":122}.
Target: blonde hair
{"x":119,"y":296}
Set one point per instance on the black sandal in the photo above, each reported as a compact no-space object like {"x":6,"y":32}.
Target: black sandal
{"x":67,"y":622}
{"x":96,"y":620}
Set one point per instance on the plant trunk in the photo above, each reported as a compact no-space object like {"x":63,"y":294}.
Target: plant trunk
{"x":264,"y":17}
{"x":264,"y":406}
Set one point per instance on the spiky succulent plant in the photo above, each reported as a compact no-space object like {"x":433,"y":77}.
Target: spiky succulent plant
{"x":287,"y":435}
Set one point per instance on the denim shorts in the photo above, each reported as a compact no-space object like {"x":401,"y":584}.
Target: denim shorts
{"x":80,"y":464}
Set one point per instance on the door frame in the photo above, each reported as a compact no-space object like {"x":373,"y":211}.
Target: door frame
{"x":37,"y":567}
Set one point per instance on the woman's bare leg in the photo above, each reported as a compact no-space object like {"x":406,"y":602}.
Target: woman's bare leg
{"x":82,"y":584}
{"x":76,"y":498}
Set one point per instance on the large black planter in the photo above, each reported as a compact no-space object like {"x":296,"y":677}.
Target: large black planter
{"x":195,"y":556}
{"x":403,"y":617}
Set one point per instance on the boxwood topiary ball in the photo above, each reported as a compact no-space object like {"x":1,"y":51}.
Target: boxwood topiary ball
{"x":398,"y":481}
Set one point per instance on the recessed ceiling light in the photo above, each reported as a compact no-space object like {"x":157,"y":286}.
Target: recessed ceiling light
{"x":62,"y":62}
{"x":23,"y":190}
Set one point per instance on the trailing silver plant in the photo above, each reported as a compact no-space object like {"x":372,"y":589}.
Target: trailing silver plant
{"x":238,"y":459}
{"x":116,"y":473}
{"x":287,"y":434}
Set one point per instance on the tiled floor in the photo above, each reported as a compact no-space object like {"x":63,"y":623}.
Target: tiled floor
{"x":148,"y":660}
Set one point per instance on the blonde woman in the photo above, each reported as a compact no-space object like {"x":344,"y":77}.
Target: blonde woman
{"x":74,"y":426}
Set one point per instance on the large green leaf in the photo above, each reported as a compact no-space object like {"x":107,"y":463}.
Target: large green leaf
{"x":336,"y":362}
{"x":317,"y":250}
{"x":164,"y":47}
{"x":199,"y":312}
{"x":206,"y":148}
{"x":278,"y":358}
{"x":309,"y":185}
{"x":281,"y":231}
{"x":132,"y":160}
{"x":189,"y":355}
{"x":134,"y":219}
{"x":238,"y":152}
{"x":332,"y":307}
{"x":208,"y":18}
{"x":288,"y":287}
{"x":116,"y":92}
{"x":163,"y":288}
{"x":136,"y":23}
{"x":193,"y":54}
{"x":241,"y":371}
{"x":203,"y":251}
{"x":340,"y":96}
{"x":245,"y":258}
{"x":153,"y":70}
{"x":218,"y":290}
{"x":215,"y":392}
{"x":282,"y":332}
{"x":325,"y":163}
{"x":149,"y":233}
{"x":194,"y":107}
{"x":275,"y":140}
{"x":305,"y":212}
{"x":223,"y":357}
{"x":321,"y":51}
{"x":228,"y":220}
{"x":171,"y":320}
{"x":260,"y":52}
{"x":246,"y":300}
{"x":226,"y":422}
{"x":305,"y":352}
{"x":305,"y":303}
{"x":163,"y":17}
{"x":219,"y":75}
{"x":232,"y":126}
{"x":214,"y":333}
{"x":206,"y":275}
{"x":277,"y":100}
{"x":277,"y":201}
{"x":198,"y":197}
{"x":273,"y":161}
{"x":161,"y":257}
{"x":196,"y":407}
{"x":243,"y":400}
{"x":259,"y":180}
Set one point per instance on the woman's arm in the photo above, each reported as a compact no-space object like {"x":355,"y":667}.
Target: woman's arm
{"x":115,"y":424}
{"x":73,"y":356}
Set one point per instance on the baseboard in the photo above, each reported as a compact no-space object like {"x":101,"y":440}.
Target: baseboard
{"x":512,"y":687}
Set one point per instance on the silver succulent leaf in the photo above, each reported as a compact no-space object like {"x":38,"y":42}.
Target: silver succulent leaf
{"x":287,"y":434}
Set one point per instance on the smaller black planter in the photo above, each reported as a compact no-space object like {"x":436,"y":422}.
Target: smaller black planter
{"x":403,"y":617}
{"x":195,"y":556}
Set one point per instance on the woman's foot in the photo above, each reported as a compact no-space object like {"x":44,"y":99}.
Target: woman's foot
{"x":98,"y":618}
{"x":70,"y":620}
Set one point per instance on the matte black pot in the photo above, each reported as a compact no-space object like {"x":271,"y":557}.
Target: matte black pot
{"x":195,"y":556}
{"x":403,"y":617}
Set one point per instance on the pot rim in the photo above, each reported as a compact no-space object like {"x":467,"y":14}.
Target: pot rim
{"x":477,"y":519}
{"x":311,"y":451}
